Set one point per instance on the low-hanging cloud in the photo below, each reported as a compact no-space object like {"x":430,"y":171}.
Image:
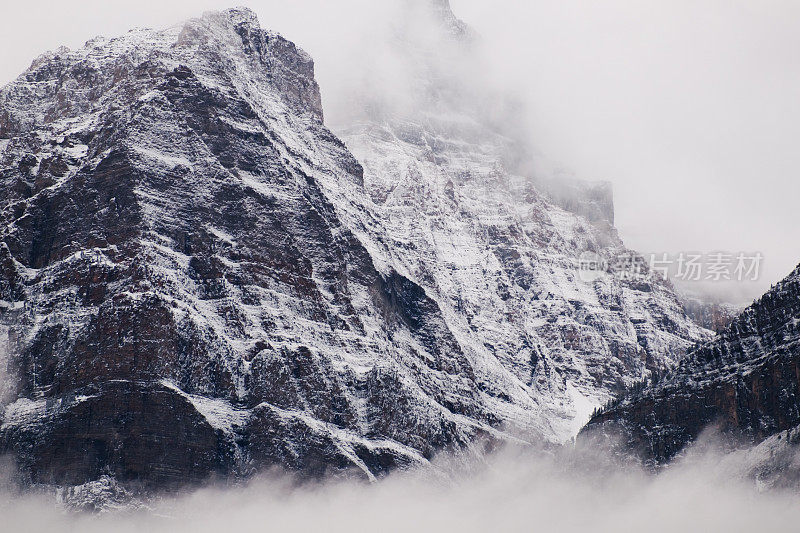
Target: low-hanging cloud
{"x":568,"y":490}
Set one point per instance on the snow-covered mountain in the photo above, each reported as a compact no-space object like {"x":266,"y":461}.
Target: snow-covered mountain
{"x":198,"y":278}
{"x":450,"y":177}
{"x":745,"y":382}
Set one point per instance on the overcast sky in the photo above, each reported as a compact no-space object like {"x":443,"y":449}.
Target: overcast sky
{"x":690,"y":107}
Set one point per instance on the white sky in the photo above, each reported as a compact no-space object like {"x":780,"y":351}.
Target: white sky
{"x":690,"y":107}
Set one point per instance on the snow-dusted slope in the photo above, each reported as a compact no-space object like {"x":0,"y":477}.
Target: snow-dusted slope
{"x":197,"y":278}
{"x":498,"y":247}
{"x":184,"y":284}
{"x":745,"y":381}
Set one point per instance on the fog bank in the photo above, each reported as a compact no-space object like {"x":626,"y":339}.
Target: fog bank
{"x":568,"y":490}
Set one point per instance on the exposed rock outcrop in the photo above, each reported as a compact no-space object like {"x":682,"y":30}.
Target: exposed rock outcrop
{"x":745,"y":381}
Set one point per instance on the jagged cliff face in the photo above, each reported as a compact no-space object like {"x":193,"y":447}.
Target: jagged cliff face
{"x":184,"y":292}
{"x":745,"y":381}
{"x":498,"y":247}
{"x":197,"y":278}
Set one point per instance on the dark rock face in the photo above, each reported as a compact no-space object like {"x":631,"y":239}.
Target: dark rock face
{"x":180,"y":297}
{"x":143,"y":434}
{"x":747,"y":380}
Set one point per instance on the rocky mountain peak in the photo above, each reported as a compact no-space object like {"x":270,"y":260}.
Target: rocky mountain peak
{"x":239,"y":16}
{"x":229,"y":43}
{"x":441,"y":13}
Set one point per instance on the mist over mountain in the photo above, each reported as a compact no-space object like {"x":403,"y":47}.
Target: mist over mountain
{"x":234,"y":274}
{"x":687,"y":108}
